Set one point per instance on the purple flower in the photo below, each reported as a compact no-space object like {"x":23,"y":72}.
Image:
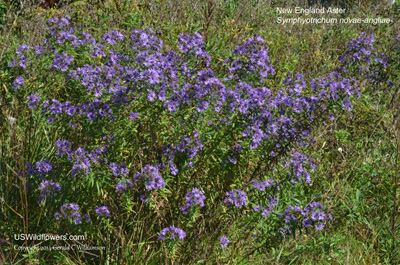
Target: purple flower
{"x":18,"y":82}
{"x":273,"y":202}
{"x":43,"y":167}
{"x":224,"y":241}
{"x":262,"y":185}
{"x":194,"y":44}
{"x":30,"y":170}
{"x":144,"y":198}
{"x":102,"y":210}
{"x":193,"y":197}
{"x":152,"y":95}
{"x":70,"y":211}
{"x":133,"y":115}
{"x":64,"y":147}
{"x":232,"y":159}
{"x":33,"y":99}
{"x":47,"y":188}
{"x":173,"y":167}
{"x":202,"y":106}
{"x":118,"y":169}
{"x":50,"y":119}
{"x":151,"y":177}
{"x":69,"y":108}
{"x":347,"y":105}
{"x":237,"y":148}
{"x":87,"y":217}
{"x":236,"y":197}
{"x":173,"y":232}
{"x":113,"y":36}
{"x":123,"y":185}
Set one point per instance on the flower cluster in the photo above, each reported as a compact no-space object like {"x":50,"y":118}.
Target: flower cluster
{"x":172,"y":232}
{"x":252,"y":57}
{"x":190,"y":146}
{"x":92,"y":110}
{"x":70,"y":211}
{"x":82,"y":158}
{"x":123,"y":185}
{"x":33,"y":100}
{"x":262,"y":185}
{"x":114,"y":83}
{"x":21,"y":60}
{"x":236,"y":197}
{"x":118,"y":169}
{"x":194,"y":44}
{"x":18,"y":82}
{"x":314,"y":214}
{"x":296,"y":168}
{"x":63,"y":147}
{"x":224,"y":241}
{"x":193,"y":197}
{"x":113,"y":36}
{"x":361,"y":49}
{"x":102,"y":210}
{"x":152,"y":178}
{"x":62,"y":62}
{"x":47,"y":187}
{"x":273,"y":202}
{"x":43,"y":168}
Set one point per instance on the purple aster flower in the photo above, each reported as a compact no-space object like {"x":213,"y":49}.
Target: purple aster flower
{"x":70,"y":211}
{"x":43,"y":167}
{"x":152,"y":95}
{"x":173,"y":167}
{"x":224,"y":241}
{"x":133,"y":115}
{"x":113,"y":36}
{"x":64,"y":147}
{"x":50,"y":119}
{"x":347,"y":105}
{"x":30,"y":170}
{"x":18,"y":82}
{"x":202,"y":106}
{"x":118,"y":169}
{"x":172,"y":232}
{"x":87,"y":217}
{"x":151,"y":177}
{"x":47,"y":188}
{"x":262,"y":185}
{"x":102,"y":210}
{"x":33,"y":99}
{"x":236,"y":197}
{"x":123,"y":185}
{"x":237,"y":148}
{"x":69,"y":108}
{"x":144,"y":198}
{"x":193,"y":197}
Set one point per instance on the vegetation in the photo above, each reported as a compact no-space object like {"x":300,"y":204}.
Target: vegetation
{"x":198,"y":132}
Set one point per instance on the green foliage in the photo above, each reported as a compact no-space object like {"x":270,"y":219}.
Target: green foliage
{"x":357,"y":183}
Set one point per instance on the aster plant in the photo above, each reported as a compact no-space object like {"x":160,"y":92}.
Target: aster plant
{"x":131,"y":104}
